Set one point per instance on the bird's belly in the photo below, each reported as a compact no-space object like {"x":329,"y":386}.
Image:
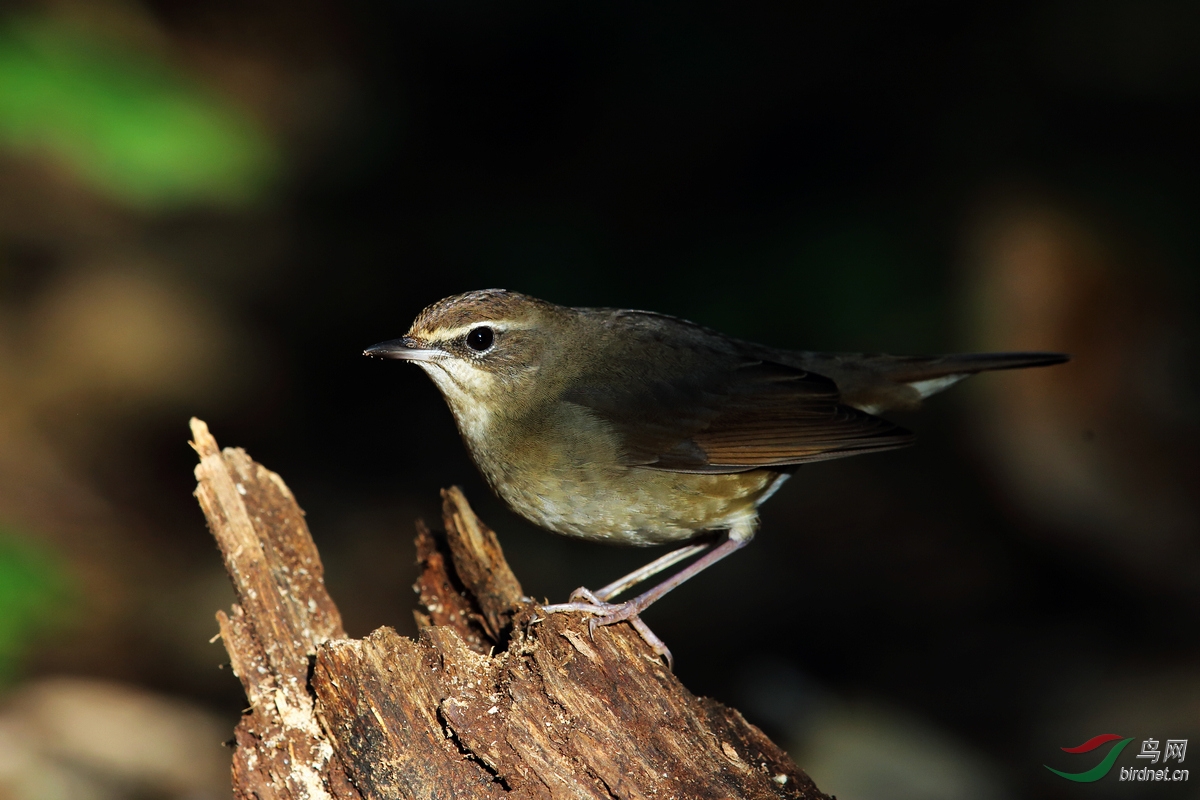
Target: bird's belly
{"x":564,"y":472}
{"x":632,"y":505}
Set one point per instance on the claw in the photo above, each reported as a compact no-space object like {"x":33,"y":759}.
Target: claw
{"x":603,"y":614}
{"x":583,"y":593}
{"x":648,"y":636}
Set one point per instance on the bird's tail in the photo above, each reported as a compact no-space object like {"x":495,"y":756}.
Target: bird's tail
{"x":875,"y":383}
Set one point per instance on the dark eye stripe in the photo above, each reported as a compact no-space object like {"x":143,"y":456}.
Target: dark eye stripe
{"x":481,"y":338}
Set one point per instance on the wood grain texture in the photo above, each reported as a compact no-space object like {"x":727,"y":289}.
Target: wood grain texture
{"x":490,"y":701}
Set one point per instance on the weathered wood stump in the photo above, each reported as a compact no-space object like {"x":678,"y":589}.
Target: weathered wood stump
{"x":491,"y":700}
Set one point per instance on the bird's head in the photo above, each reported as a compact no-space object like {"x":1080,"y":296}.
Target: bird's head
{"x":485,"y":350}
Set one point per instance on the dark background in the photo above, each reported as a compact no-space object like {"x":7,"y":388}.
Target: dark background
{"x":211,"y":208}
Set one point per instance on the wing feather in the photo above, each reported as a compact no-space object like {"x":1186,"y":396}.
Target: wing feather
{"x":735,"y":415}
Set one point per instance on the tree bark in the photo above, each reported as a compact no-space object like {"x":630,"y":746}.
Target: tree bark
{"x":491,"y":700}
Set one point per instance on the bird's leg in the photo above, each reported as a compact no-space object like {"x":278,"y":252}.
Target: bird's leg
{"x":584,"y":599}
{"x":653,"y":568}
{"x":737,"y":538}
{"x":607,"y":613}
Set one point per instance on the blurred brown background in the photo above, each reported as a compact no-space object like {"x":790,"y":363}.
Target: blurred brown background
{"x":210,"y":208}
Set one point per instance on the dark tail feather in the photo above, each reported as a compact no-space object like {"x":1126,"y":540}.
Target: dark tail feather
{"x":910,"y":369}
{"x":875,"y":383}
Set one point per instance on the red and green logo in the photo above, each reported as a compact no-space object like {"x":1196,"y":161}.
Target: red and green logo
{"x":1100,"y":770}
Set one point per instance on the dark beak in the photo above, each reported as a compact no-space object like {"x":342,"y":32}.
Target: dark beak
{"x":406,"y":349}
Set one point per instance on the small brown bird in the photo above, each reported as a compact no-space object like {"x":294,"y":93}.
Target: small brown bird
{"x":638,"y":428}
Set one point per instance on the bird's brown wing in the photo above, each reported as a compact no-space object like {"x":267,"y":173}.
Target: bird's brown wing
{"x":745,"y":415}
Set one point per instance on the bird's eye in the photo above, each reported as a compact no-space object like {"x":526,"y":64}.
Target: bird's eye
{"x":480,"y":339}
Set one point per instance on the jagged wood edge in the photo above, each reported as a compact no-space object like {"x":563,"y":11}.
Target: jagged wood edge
{"x":282,"y":615}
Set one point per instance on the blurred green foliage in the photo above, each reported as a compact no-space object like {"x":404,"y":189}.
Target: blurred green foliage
{"x":126,"y":123}
{"x":34,"y":598}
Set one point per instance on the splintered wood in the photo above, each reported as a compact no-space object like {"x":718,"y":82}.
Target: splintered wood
{"x":490,"y":701}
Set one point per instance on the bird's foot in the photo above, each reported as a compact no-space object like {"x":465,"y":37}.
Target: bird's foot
{"x":609,"y":614}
